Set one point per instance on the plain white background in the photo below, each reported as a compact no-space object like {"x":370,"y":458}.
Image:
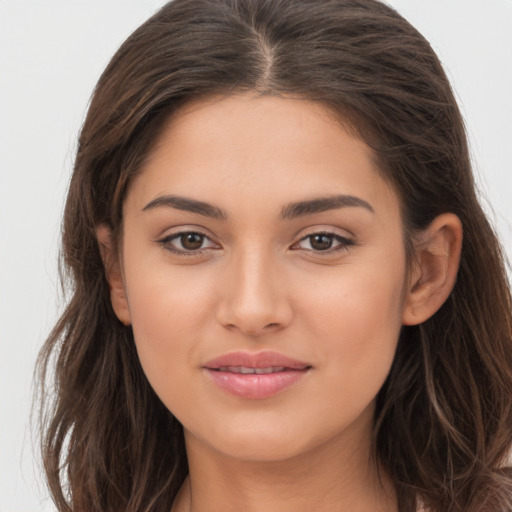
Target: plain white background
{"x":52,"y":53}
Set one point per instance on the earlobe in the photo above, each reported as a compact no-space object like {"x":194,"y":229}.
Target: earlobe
{"x":113,"y":274}
{"x":434,"y":272}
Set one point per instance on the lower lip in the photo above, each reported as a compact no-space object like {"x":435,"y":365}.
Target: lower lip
{"x":254,"y":386}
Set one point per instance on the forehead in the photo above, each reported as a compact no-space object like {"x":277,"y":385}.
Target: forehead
{"x":249,"y":147}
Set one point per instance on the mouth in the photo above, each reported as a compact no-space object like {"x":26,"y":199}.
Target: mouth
{"x":255,"y":376}
{"x":245,"y":370}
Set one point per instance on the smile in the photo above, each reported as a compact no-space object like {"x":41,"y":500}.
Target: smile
{"x":248,"y":371}
{"x":255,"y":376}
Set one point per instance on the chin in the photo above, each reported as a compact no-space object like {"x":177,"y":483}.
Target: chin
{"x":270,"y":439}
{"x":261,"y":449}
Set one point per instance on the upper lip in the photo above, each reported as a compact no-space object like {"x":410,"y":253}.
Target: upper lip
{"x":266,"y":359}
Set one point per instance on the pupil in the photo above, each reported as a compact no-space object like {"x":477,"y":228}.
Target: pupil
{"x":321,"y":242}
{"x":192,"y":241}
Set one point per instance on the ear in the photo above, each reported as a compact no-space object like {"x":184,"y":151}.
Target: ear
{"x":432,"y":278}
{"x":113,"y":274}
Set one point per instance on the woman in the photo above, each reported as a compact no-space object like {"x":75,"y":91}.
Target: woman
{"x":285,"y":293}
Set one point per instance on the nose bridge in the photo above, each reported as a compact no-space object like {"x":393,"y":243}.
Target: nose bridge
{"x":254,"y":299}
{"x":255,"y":286}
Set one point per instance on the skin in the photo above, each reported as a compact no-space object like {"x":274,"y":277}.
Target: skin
{"x":259,"y":282}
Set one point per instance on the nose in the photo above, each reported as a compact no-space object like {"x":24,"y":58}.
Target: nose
{"x":254,"y":299}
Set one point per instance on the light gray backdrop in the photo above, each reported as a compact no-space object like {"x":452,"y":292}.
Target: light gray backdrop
{"x":51,"y":54}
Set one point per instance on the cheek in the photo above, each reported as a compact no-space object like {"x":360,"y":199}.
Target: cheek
{"x":356,"y":319}
{"x":168,"y":311}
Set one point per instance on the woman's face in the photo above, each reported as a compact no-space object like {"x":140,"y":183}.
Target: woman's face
{"x":264,"y":272}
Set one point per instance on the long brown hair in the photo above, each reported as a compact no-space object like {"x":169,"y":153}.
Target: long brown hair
{"x":443,"y":424}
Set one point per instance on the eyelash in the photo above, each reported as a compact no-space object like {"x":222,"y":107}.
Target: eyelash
{"x":343,"y":243}
{"x":167,"y":241}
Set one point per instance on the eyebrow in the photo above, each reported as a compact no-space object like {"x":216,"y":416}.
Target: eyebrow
{"x":290,"y":211}
{"x":188,"y":205}
{"x":322,"y":204}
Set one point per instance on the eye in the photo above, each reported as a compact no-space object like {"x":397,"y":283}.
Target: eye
{"x":187,"y":242}
{"x":323,"y":242}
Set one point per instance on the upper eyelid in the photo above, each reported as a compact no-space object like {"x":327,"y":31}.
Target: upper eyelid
{"x":173,"y":231}
{"x":312,"y":229}
{"x":171,"y":236}
{"x":327,"y":230}
{"x":328,"y":233}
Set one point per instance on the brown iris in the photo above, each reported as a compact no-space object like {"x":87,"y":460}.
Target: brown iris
{"x":191,"y":241}
{"x":321,"y":242}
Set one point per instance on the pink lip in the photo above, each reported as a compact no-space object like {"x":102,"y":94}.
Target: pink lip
{"x":228,"y":372}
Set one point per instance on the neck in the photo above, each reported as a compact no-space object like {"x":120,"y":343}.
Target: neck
{"x":337,"y":476}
